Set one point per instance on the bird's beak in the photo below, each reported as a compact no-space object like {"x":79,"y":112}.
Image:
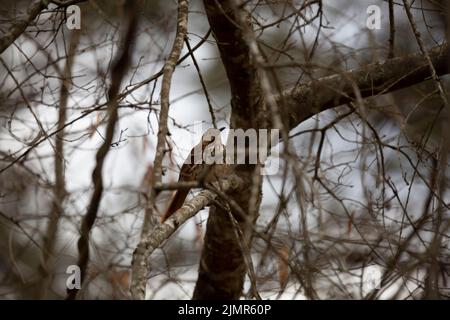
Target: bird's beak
{"x":221,"y":129}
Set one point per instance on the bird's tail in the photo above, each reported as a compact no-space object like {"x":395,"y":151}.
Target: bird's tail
{"x":175,"y":204}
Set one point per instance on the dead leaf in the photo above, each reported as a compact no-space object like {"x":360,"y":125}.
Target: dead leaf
{"x":283,"y":265}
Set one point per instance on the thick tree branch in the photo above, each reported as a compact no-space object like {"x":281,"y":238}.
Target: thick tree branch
{"x":21,"y":23}
{"x":162,"y":232}
{"x":310,"y":98}
{"x":235,"y":55}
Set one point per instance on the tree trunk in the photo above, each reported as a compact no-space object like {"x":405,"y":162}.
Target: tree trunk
{"x":222,"y":266}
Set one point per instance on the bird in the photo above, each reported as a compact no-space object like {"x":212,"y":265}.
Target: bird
{"x":205,"y":163}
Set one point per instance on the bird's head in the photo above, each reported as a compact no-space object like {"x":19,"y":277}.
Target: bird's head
{"x":210,"y":136}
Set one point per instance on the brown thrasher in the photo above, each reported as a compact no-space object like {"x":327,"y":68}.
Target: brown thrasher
{"x":205,"y":163}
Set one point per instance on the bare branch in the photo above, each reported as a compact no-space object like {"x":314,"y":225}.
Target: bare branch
{"x":117,"y":73}
{"x":162,"y":232}
{"x":59,"y":189}
{"x":310,"y":98}
{"x":139,"y":263}
{"x":21,"y":23}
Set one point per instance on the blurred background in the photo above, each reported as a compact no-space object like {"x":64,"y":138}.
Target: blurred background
{"x":376,"y":213}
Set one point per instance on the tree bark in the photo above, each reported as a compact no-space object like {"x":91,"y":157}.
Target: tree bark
{"x":311,"y":98}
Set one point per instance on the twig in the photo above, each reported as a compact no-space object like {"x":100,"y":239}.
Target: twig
{"x":208,"y":98}
{"x":376,"y":78}
{"x":101,"y":106}
{"x":434,"y":75}
{"x":242,"y":241}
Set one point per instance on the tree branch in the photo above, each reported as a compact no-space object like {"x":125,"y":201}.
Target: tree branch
{"x":21,"y":23}
{"x":12,"y":160}
{"x":221,"y":276}
{"x":162,"y":232}
{"x":117,"y":73}
{"x":139,"y":263}
{"x":313,"y":97}
{"x":59,"y":188}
